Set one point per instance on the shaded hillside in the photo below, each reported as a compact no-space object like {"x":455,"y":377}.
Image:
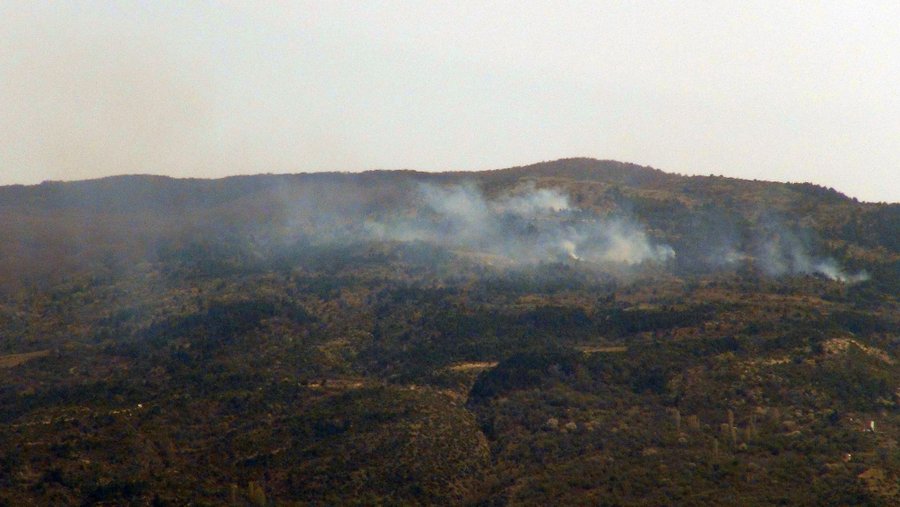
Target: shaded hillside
{"x":126,"y":219}
{"x":576,"y":332}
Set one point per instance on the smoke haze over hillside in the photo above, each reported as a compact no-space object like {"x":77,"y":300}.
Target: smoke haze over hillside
{"x":601,"y":216}
{"x":783,"y":253}
{"x":527,"y":226}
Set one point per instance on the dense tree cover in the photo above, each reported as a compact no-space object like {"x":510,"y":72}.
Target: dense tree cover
{"x":362,"y":387}
{"x":221,"y":363}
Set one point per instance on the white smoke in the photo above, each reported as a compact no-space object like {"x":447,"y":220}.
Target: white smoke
{"x":623,"y":242}
{"x":783,"y":253}
{"x":462,"y":204}
{"x":571,"y":249}
{"x":533,"y":202}
{"x":528,"y":226}
{"x":830,"y":268}
{"x":730,"y":256}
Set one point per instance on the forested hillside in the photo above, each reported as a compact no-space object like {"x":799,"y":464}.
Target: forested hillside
{"x":577,"y":332}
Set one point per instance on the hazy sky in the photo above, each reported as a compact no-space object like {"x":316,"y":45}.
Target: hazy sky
{"x":783,"y":90}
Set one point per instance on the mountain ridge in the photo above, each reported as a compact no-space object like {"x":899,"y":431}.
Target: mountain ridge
{"x":577,"y":167}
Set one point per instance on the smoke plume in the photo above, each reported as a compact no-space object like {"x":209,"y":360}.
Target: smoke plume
{"x":526,"y":226}
{"x":784,"y":253}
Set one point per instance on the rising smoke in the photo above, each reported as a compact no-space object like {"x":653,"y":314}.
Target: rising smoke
{"x":525,"y":226}
{"x":784,"y":253}
{"x":531,"y":225}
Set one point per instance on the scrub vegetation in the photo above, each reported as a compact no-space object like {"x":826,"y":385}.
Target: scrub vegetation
{"x":578,"y":332}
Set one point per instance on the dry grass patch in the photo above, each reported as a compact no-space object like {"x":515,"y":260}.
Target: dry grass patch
{"x":473,"y":365}
{"x":12,"y":360}
{"x":841,"y":345}
{"x":608,"y":349}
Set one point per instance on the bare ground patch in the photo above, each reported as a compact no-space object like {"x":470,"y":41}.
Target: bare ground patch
{"x":12,"y":360}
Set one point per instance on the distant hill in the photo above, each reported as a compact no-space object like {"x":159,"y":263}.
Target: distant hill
{"x":58,"y":225}
{"x":577,"y":332}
